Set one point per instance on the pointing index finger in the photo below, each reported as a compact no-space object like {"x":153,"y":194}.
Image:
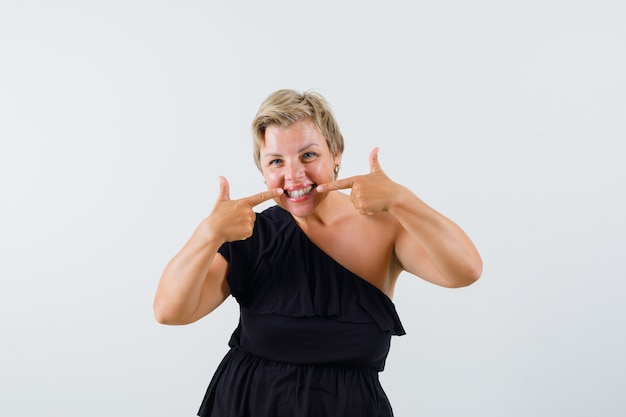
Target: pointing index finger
{"x":341,"y":184}
{"x":263,"y":196}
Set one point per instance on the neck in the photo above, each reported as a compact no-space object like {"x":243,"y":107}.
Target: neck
{"x":329,"y":211}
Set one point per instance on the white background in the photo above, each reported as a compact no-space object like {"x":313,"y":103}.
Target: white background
{"x":116,"y":117}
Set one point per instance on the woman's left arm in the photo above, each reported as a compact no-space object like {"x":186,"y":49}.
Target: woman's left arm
{"x":429,"y":244}
{"x":432,"y":246}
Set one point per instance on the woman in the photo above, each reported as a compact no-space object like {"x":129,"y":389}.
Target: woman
{"x":314,"y":275}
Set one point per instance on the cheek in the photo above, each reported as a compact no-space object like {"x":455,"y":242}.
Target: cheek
{"x":272,"y":179}
{"x":324,"y":173}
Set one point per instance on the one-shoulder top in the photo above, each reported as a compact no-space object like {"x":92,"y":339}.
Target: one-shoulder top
{"x":312,"y":336}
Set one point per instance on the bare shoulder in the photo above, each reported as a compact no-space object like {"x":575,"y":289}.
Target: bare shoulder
{"x":363,"y":244}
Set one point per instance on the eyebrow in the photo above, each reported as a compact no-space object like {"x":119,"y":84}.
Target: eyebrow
{"x":305,"y":147}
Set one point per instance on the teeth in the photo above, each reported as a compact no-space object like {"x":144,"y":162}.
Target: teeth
{"x":300,"y":193}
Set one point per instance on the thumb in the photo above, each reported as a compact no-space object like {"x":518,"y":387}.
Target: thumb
{"x":374,"y":164}
{"x":224,"y":193}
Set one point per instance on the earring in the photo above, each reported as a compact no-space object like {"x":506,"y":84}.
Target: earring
{"x":337,"y":169}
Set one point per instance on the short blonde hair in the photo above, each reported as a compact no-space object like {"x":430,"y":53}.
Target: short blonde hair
{"x":284,"y":107}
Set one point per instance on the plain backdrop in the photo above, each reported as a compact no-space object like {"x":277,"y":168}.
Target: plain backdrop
{"x":116,"y":118}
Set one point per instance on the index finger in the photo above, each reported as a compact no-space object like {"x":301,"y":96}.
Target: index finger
{"x":341,"y":184}
{"x":261,"y":197}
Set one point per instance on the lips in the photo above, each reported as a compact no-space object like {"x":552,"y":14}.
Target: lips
{"x":300,"y":192}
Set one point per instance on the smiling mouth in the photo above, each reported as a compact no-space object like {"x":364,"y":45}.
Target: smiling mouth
{"x":299,"y":193}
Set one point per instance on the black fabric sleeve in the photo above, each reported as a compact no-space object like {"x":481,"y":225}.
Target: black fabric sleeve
{"x":242,"y":257}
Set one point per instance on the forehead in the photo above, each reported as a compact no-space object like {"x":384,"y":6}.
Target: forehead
{"x":286,"y":138}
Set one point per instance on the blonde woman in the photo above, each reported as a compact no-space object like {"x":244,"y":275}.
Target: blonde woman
{"x":314,"y":275}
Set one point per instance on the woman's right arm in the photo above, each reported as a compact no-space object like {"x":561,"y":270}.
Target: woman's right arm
{"x":194,"y":283}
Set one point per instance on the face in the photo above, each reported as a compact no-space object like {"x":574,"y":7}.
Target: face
{"x":296,"y":158}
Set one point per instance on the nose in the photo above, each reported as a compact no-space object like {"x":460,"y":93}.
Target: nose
{"x":294,"y":170}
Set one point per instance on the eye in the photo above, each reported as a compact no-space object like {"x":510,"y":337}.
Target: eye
{"x":308,"y":155}
{"x":275,"y":162}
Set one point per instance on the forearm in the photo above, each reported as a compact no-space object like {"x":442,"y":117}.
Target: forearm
{"x":180,"y":288}
{"x":448,"y":247}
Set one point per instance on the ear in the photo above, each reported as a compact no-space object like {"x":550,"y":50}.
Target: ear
{"x":337,"y":159}
{"x":336,"y":165}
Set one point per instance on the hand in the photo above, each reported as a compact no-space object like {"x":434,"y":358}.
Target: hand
{"x":234,"y":219}
{"x":371,"y":193}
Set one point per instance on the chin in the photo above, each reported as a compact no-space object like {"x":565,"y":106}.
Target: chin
{"x":299,"y":209}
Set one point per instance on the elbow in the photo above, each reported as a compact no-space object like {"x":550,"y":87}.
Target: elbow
{"x":472,"y":273}
{"x":468,"y":280}
{"x":161,"y":316}
{"x":164,"y":315}
{"x":469,"y":275}
{"x":477,"y":268}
